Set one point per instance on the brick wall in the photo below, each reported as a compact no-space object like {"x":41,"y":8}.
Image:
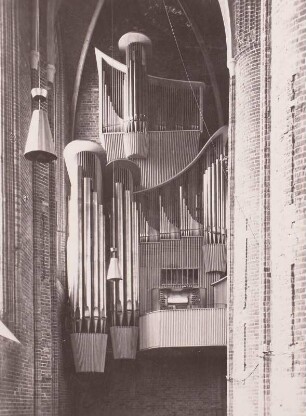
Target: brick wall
{"x":157,"y":383}
{"x":288,"y":202}
{"x":75,"y":17}
{"x":87,"y":114}
{"x":266,"y":355}
{"x":16,"y":360}
{"x":266,"y":358}
{"x":33,"y":380}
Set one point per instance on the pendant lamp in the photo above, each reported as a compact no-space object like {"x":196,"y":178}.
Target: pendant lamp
{"x":114,"y":273}
{"x":39,"y":145}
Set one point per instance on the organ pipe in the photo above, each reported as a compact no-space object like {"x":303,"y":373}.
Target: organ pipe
{"x":124,"y":302}
{"x":79,"y":245}
{"x":86,"y":254}
{"x":86,"y":228}
{"x":157,"y":122}
{"x":87,"y":208}
{"x":133,"y":102}
{"x":200,"y":212}
{"x":128,"y":239}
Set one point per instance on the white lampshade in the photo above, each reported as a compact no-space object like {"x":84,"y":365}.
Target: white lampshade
{"x":40,"y":145}
{"x":114,"y":270}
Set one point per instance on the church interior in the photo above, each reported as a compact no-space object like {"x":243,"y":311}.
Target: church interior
{"x":153,"y":205}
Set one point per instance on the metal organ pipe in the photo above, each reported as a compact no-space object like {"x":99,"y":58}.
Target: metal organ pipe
{"x":135,"y":260}
{"x":222,"y":192}
{"x":213,"y":201}
{"x":205,"y":205}
{"x":217,"y":202}
{"x":190,"y":206}
{"x":120,"y":247}
{"x":87,"y":251}
{"x":123,"y":331}
{"x":80,"y":247}
{"x":86,"y":225}
{"x":95,"y":221}
{"x":128,"y":232}
{"x":102,"y":268}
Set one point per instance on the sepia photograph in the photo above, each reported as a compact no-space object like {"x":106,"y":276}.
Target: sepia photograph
{"x":152,"y":207}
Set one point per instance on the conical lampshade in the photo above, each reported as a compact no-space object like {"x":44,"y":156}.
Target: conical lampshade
{"x":40,"y":146}
{"x":114,"y":270}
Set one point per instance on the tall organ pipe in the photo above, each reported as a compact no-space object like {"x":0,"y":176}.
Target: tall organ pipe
{"x":85,"y":161}
{"x":125,"y":295}
{"x":135,"y":45}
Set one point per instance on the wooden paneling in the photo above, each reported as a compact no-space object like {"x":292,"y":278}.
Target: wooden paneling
{"x":89,"y":351}
{"x":183,"y":328}
{"x":124,"y":341}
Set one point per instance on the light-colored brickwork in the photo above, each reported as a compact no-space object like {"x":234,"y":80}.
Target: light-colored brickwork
{"x":288,"y":157}
{"x":267,"y":298}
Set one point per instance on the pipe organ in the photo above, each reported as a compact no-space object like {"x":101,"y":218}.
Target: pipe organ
{"x":133,"y":103}
{"x":124,"y":305}
{"x":159,"y":199}
{"x":86,"y":260}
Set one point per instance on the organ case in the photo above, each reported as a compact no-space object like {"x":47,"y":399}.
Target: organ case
{"x":168,"y":216}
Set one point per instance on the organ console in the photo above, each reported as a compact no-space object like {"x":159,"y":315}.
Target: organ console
{"x":166,"y":216}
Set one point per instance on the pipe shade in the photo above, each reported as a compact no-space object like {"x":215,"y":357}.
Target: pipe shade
{"x":40,"y":145}
{"x":114,"y":270}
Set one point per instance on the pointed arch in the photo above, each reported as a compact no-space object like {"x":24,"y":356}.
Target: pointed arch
{"x":226,"y":12}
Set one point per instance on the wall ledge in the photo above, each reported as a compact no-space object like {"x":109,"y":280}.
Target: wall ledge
{"x":6,"y":333}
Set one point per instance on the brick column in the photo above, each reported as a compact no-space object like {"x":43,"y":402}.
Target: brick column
{"x":244,"y":307}
{"x":49,"y":219}
{"x":288,"y":208}
{"x":230,"y":241}
{"x":16,"y":250}
{"x":264,"y":368}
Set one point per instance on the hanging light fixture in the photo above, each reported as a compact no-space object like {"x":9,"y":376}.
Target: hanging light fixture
{"x":114,"y":272}
{"x":39,"y":145}
{"x":114,"y":269}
